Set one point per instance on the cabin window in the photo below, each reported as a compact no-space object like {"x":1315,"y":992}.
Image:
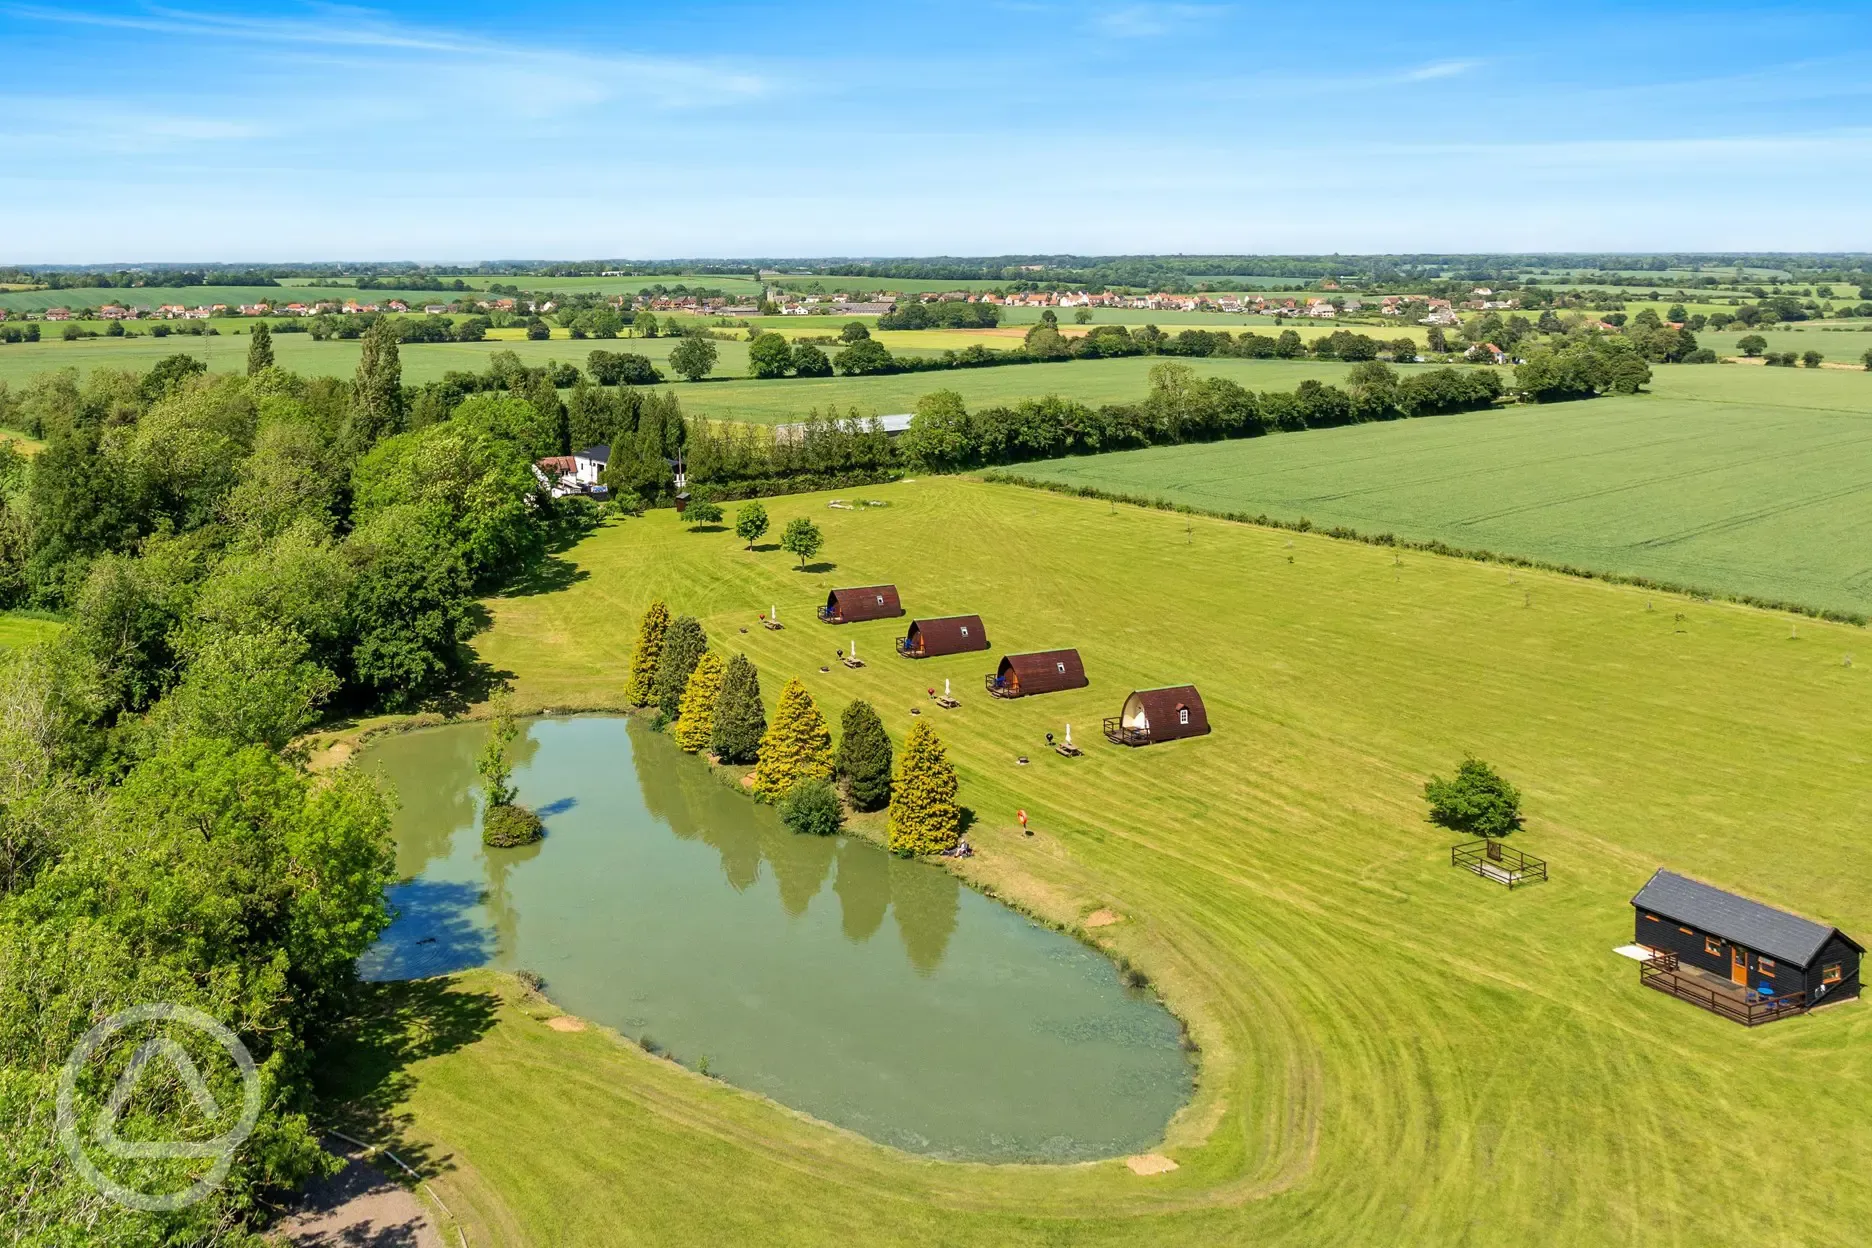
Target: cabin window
{"x":1712,"y":946}
{"x":1062,"y":668}
{"x":1830,"y":973}
{"x":1765,"y":965}
{"x":965,"y":630}
{"x":1182,"y":714}
{"x":880,"y":599}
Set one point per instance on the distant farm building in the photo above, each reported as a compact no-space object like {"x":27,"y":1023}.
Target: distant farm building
{"x":1153,"y":715}
{"x":1735,"y":957}
{"x":1045,"y":671}
{"x":868,"y":602}
{"x":954,"y":634}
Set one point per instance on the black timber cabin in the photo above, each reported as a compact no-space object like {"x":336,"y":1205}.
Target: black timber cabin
{"x":1739,"y":958}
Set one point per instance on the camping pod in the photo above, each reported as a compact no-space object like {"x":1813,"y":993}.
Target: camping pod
{"x":1152,"y":715}
{"x":953,"y":634}
{"x":1044,"y":671}
{"x":869,"y":602}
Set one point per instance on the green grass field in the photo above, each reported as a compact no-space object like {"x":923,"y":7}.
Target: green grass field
{"x":1733,"y":479}
{"x":24,"y":630}
{"x":1394,"y":1052}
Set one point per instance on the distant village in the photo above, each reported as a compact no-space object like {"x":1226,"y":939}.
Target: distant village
{"x":1422,"y":309}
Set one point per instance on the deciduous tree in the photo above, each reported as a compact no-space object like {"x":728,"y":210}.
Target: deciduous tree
{"x":750,"y":523}
{"x":694,"y":357}
{"x":802,"y":538}
{"x":1476,"y":800}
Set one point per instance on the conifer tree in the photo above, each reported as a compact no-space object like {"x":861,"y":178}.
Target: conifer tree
{"x":259,"y":348}
{"x":695,"y":725}
{"x":649,"y":650}
{"x":797,"y":745}
{"x":740,"y":720}
{"x":683,"y":646}
{"x":924,"y":817}
{"x":864,"y":757}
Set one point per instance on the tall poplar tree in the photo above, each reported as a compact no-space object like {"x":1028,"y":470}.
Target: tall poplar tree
{"x":377,"y":391}
{"x":924,"y":817}
{"x":259,"y":348}
{"x":649,"y":650}
{"x":740,"y":720}
{"x":797,"y":745}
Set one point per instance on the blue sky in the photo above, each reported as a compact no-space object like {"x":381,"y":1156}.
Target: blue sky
{"x":469,"y":131}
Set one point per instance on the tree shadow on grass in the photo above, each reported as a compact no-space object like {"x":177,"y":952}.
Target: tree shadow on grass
{"x":708,"y":528}
{"x":821,"y":566}
{"x":548,"y":576}
{"x":363,"y":1075}
{"x":761,"y":548}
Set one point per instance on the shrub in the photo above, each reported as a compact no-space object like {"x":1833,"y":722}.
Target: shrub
{"x":1477,"y":801}
{"x":864,"y":757}
{"x":1812,"y":359}
{"x":644,"y":658}
{"x":695,"y":721}
{"x":924,"y":817}
{"x":683,"y":647}
{"x":812,"y":807}
{"x":796,"y":746}
{"x":508,"y":826}
{"x":703,"y":512}
{"x":739,"y":721}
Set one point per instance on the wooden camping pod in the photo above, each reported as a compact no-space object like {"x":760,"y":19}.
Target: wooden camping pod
{"x":1043,"y":671}
{"x":952,"y":634}
{"x":1153,"y":715}
{"x":866,"y":602}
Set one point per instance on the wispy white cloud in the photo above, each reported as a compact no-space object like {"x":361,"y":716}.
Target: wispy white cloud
{"x":1144,"y":21}
{"x":1437,"y":69}
{"x":666,"y":80}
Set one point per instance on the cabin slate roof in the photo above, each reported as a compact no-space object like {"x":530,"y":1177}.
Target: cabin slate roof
{"x":1782,"y":936}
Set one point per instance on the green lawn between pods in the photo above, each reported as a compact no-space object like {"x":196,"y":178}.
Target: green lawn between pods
{"x":1394,"y":1051}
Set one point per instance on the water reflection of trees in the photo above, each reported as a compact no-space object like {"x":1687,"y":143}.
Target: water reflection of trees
{"x":682,"y":793}
{"x":926,"y":901}
{"x":434,"y":784}
{"x":502,"y":914}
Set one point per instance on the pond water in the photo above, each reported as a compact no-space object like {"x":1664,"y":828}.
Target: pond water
{"x":872,"y":992}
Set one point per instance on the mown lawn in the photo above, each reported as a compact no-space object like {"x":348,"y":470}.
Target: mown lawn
{"x":1733,"y":479}
{"x":1394,"y":1052}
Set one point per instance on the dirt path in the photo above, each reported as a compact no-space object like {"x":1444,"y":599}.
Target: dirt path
{"x":360,"y":1208}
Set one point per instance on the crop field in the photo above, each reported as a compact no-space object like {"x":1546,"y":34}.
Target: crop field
{"x":1393,"y":1051}
{"x":1089,"y":381}
{"x":20,"y":301}
{"x":25,"y":630}
{"x":1726,"y":478}
{"x":726,"y":283}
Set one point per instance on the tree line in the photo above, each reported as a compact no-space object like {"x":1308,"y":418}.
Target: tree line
{"x":232,"y":557}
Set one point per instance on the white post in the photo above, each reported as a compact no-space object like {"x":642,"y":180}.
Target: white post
{"x":945,"y":687}
{"x":775,"y":617}
{"x":854,"y":648}
{"x":1069,"y":736}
